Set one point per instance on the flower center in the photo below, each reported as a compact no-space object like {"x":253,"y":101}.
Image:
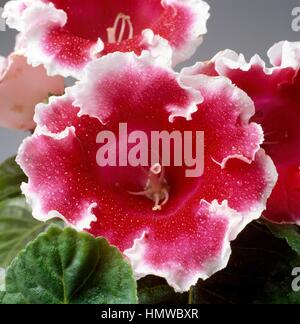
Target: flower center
{"x":156,"y":187}
{"x":116,"y":34}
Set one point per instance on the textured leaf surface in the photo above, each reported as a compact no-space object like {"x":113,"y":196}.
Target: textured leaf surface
{"x":290,"y":233}
{"x":154,"y":290}
{"x":259,"y":271}
{"x":17,"y":228}
{"x":11,"y":177}
{"x":279,"y":288}
{"x":67,"y":267}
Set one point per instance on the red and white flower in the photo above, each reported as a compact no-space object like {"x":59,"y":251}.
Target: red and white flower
{"x":65,"y":35}
{"x":276,"y":94}
{"x":22,"y":87}
{"x":188,"y":236}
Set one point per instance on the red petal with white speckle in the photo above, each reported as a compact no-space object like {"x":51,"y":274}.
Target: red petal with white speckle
{"x":276,"y":94}
{"x":189,"y":238}
{"x":65,"y":35}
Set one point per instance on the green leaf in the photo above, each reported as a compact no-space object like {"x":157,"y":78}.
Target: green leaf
{"x":11,"y":177}
{"x":290,"y":233}
{"x":2,"y":294}
{"x":17,"y":228}
{"x":259,"y":271}
{"x":67,"y":267}
{"x":2,"y":279}
{"x":154,"y":290}
{"x":279,"y":288}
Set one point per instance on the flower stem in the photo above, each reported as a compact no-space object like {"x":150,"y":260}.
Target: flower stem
{"x":191,"y":296}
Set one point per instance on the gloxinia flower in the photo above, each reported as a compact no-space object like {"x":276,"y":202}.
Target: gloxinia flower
{"x":276,"y":94}
{"x":21,"y":88}
{"x":65,"y":35}
{"x":166,"y":223}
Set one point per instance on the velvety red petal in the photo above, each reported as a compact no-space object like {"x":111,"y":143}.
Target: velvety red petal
{"x":225,"y":104}
{"x":276,"y":94}
{"x":65,"y":35}
{"x":122,"y":84}
{"x":190,"y":237}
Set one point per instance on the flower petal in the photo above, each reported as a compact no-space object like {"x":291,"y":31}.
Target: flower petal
{"x":43,"y":38}
{"x":190,"y":237}
{"x":65,"y":37}
{"x":183,"y":25}
{"x":118,"y":78}
{"x":275,"y":92}
{"x":21,"y":88}
{"x":240,"y":139}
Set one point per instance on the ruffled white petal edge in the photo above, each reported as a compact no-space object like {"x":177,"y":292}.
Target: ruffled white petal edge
{"x":285,"y":54}
{"x":236,"y":223}
{"x":33,"y":23}
{"x":34,"y":201}
{"x":191,"y":84}
{"x":159,"y":48}
{"x":26,"y":15}
{"x":104,"y":66}
{"x":238,"y":95}
{"x":95,"y":69}
{"x":13,"y":11}
{"x":200,"y":9}
{"x":2,"y":279}
{"x":271,"y":177}
{"x":42,"y":129}
{"x":281,"y":55}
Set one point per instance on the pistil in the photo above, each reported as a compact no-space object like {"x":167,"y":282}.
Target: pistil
{"x":156,"y":187}
{"x":120,"y":24}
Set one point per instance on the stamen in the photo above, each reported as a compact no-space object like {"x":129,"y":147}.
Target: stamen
{"x":157,"y":206}
{"x":166,"y":194}
{"x":112,"y":31}
{"x":156,"y":187}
